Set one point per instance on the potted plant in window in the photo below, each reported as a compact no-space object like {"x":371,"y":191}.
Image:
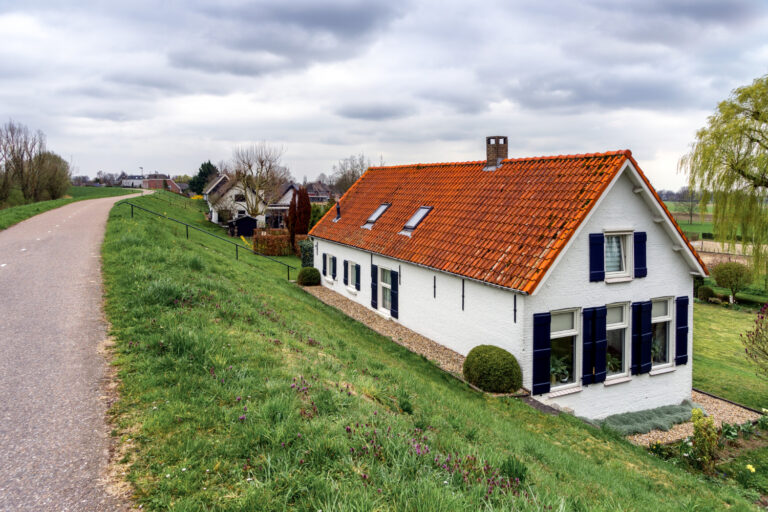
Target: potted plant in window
{"x":558,"y":369}
{"x":613,"y":363}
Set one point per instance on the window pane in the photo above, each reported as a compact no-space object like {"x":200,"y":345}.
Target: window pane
{"x":614,"y":262}
{"x":561,"y":361}
{"x":414,"y":221}
{"x":385,"y":276}
{"x":659,"y":308}
{"x":615,"y":315}
{"x":562,"y":321}
{"x":386,"y":298}
{"x":352,"y":275}
{"x":614,"y":358}
{"x":375,"y":215}
{"x":660,"y":343}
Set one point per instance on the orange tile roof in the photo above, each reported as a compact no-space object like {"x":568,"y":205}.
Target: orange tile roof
{"x":503,"y":227}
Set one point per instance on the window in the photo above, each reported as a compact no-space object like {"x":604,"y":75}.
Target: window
{"x":617,"y":328}
{"x":386,"y":289}
{"x":661,"y":318}
{"x":563,"y":337}
{"x":352,"y":273}
{"x":415,"y":220}
{"x":239,"y":198}
{"x":617,"y":255}
{"x":375,"y":215}
{"x":240,"y":213}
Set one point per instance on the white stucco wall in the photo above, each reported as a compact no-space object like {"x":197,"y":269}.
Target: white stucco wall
{"x":488,"y":317}
{"x":568,"y":286}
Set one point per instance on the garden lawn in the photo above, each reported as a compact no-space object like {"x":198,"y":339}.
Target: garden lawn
{"x":16,"y":214}
{"x":240,"y":391}
{"x":719,"y":364}
{"x":737,"y":469}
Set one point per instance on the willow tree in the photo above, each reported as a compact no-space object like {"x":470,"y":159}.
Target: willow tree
{"x":728,"y":161}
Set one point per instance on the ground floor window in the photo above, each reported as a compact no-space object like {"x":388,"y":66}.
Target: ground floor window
{"x":563,"y":339}
{"x":352,"y":273}
{"x":386,"y":289}
{"x":617,"y":328}
{"x":661,"y":318}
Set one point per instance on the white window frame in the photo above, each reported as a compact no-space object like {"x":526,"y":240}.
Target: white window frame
{"x":670,"y":345}
{"x":577,"y":353}
{"x":627,"y":342}
{"x":329,"y":271}
{"x":351,"y":288}
{"x":627,"y":253}
{"x":380,"y":291}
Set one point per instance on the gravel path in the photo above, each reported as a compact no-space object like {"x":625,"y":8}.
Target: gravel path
{"x":720,"y":410}
{"x":53,"y":434}
{"x":446,"y":358}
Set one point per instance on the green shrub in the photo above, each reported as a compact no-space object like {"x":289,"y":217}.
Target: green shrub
{"x":492,"y":369}
{"x":308,"y":276}
{"x":747,"y":429}
{"x":513,"y":467}
{"x":762,"y":422}
{"x":706,"y":293}
{"x":307,"y":253}
{"x":704,"y":441}
{"x":729,"y":432}
{"x":732,"y":275}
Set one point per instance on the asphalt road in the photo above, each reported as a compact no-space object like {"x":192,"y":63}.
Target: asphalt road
{"x":53,"y":432}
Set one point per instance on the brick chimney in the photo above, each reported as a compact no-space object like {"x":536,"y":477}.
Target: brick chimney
{"x":496,"y":150}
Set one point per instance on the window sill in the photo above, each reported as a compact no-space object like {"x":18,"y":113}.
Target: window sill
{"x":618,"y":279}
{"x":617,"y":380}
{"x":661,"y":370}
{"x":565,"y":391}
{"x":351,"y":291}
{"x":328,"y":280}
{"x":383,"y":314}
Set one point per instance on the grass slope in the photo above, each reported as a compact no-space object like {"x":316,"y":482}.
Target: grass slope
{"x":16,"y":214}
{"x":242,"y":392}
{"x":719,"y":363}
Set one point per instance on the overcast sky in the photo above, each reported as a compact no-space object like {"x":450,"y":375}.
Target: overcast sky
{"x":168,"y":85}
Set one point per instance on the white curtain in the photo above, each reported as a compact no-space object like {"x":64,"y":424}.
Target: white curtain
{"x":614,"y":262}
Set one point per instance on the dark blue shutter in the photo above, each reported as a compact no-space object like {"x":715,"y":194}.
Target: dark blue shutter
{"x":542,"y":349}
{"x":394,"y":309}
{"x":374,"y":286}
{"x":588,"y":346}
{"x":325,"y":264}
{"x":635,"y":364}
{"x":646,"y":337}
{"x":641,"y":269}
{"x":601,"y":343}
{"x":596,"y":257}
{"x":346,"y":273}
{"x":681,"y":330}
{"x":333,"y":267}
{"x":357,"y":277}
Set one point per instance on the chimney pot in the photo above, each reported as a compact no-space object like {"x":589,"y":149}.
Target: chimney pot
{"x":496,"y":150}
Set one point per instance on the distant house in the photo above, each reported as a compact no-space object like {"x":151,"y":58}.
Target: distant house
{"x":134,"y":181}
{"x":572,"y":263}
{"x":160,"y":184}
{"x":227,"y":201}
{"x":277,"y":212}
{"x":319,"y":193}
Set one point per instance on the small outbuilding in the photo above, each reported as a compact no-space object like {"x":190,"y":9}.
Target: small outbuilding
{"x":242,"y":226}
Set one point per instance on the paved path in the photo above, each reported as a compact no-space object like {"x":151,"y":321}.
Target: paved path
{"x":53,"y":434}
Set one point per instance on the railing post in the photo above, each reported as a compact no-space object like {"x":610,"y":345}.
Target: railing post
{"x":131,"y":211}
{"x":187,"y":231}
{"x":237,"y":252}
{"x":288,"y":271}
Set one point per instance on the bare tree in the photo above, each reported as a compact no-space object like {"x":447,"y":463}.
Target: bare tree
{"x":19,"y":147}
{"x":348,"y":171}
{"x":259,"y":175}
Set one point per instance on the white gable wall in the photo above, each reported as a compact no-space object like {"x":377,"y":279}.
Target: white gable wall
{"x":487,"y":318}
{"x":568,"y":286}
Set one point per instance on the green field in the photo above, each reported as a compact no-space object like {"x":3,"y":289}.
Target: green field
{"x":240,"y":391}
{"x":679,"y":207}
{"x":719,"y":364}
{"x":16,"y":214}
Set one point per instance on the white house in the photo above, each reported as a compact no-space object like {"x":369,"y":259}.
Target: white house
{"x":227,"y":201}
{"x":276,"y":212}
{"x":134,"y":181}
{"x":571,"y":263}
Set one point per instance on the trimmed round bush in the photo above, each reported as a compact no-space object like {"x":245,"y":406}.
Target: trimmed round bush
{"x":308,"y":276}
{"x":492,"y":369}
{"x":706,"y":293}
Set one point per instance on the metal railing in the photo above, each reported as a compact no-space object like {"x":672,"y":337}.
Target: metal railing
{"x":188,"y":226}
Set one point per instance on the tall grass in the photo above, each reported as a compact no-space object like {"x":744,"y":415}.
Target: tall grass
{"x":242,"y":392}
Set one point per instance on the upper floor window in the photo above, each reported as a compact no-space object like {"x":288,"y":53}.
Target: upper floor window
{"x":415,"y":220}
{"x":239,"y":198}
{"x":375,"y":215}
{"x":618,"y":255}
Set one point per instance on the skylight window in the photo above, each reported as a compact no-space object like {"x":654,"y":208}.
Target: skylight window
{"x":415,"y":220}
{"x":375,"y":215}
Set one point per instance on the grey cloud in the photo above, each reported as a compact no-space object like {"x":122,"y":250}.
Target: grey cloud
{"x":375,"y":111}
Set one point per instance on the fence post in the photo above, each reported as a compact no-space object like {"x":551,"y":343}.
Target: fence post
{"x":187,"y":231}
{"x":237,"y":252}
{"x":288,"y":271}
{"x":131,"y":211}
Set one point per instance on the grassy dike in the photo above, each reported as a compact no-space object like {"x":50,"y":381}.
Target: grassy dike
{"x":16,"y":214}
{"x":239,"y":391}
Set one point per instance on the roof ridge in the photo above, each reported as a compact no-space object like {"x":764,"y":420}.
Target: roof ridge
{"x":617,"y":152}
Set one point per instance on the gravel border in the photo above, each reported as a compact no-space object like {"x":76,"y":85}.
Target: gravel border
{"x":721,"y":411}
